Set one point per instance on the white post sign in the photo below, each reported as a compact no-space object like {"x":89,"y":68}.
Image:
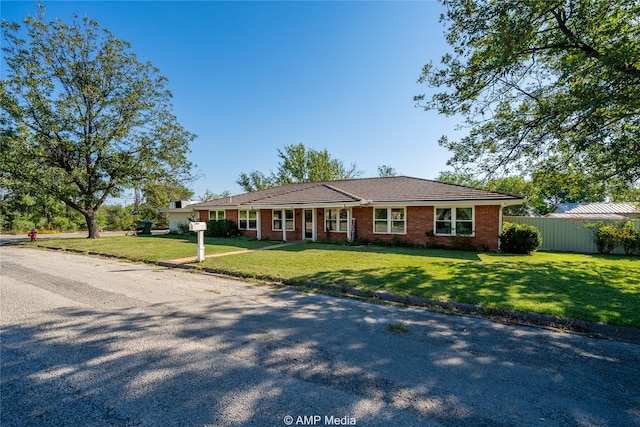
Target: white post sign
{"x":200,"y":227}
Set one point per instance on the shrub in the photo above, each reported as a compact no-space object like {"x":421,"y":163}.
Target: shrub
{"x":519,"y":238}
{"x":224,"y":228}
{"x":400,"y":243}
{"x":182,"y":228}
{"x":362,"y":242}
{"x":64,"y":223}
{"x":115,"y":217}
{"x":607,"y":237}
{"x":463,"y":243}
{"x":22,"y":225}
{"x":630,"y":238}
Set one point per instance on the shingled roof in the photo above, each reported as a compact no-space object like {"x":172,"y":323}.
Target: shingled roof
{"x":400,"y":189}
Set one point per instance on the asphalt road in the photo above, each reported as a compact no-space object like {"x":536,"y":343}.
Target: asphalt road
{"x":95,"y":342}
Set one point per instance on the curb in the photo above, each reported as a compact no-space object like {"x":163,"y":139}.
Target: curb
{"x":599,"y":330}
{"x":511,"y":317}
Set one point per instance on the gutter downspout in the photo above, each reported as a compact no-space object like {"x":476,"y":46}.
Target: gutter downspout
{"x":258,"y":225}
{"x":283,"y":215}
{"x":500,"y":219}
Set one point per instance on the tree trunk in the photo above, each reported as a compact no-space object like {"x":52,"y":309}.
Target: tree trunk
{"x":49,"y":219}
{"x":92,"y":224}
{"x":137,"y":200}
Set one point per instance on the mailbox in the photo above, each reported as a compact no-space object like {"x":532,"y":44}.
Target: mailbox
{"x":197,"y":226}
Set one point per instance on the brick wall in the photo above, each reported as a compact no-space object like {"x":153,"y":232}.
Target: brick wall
{"x":266,"y":217}
{"x":327,"y":235}
{"x":265,"y":226}
{"x":487,"y":227}
{"x":232,"y":215}
{"x":419,"y":221}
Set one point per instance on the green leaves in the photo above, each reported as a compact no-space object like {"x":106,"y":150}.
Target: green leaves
{"x":298,"y":164}
{"x":93,"y":118}
{"x":539,"y":81}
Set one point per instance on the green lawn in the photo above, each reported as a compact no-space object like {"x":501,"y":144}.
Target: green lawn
{"x":152,"y":248}
{"x":589,"y":287}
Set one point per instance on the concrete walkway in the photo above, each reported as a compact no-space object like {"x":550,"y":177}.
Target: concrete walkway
{"x":189,"y":260}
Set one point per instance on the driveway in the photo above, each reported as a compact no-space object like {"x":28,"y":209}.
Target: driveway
{"x":96,"y":342}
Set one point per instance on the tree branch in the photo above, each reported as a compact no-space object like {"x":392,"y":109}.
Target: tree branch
{"x":589,"y":50}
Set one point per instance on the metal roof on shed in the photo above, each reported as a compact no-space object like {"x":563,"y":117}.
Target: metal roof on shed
{"x":595,"y":208}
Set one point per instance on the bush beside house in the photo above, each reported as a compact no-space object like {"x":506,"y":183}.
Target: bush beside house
{"x":519,"y":238}
{"x":222,"y":228}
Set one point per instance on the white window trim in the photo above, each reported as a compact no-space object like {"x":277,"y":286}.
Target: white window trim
{"x":283,"y":219}
{"x":389,"y":220}
{"x":248,"y":219}
{"x":217,"y":218}
{"x":454,"y":220}
{"x":338,"y":221}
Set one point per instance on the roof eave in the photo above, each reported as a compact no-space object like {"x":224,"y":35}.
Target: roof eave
{"x":475,"y":202}
{"x":177,"y":210}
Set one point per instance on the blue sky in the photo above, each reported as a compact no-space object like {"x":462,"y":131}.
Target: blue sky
{"x":249,"y":77}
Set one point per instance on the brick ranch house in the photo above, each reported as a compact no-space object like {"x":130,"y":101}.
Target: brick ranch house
{"x":387,"y":208}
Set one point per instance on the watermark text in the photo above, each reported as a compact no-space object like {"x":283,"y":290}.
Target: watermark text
{"x":319,"y":420}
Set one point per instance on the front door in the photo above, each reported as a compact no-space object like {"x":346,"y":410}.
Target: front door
{"x":308,"y":224}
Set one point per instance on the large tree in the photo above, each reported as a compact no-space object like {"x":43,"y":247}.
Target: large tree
{"x":255,"y":180}
{"x":82,"y":119}
{"x":511,"y":184}
{"x":299,"y":164}
{"x":545,"y":189}
{"x":542,"y":84}
{"x":387,"y":171}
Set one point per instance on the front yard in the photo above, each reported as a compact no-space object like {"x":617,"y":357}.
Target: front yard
{"x":588,"y":287}
{"x":151,"y":248}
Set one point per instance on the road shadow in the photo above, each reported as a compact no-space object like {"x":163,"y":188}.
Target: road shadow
{"x":220,"y":361}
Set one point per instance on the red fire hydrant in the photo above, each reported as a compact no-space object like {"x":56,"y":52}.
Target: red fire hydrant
{"x":33,"y":234}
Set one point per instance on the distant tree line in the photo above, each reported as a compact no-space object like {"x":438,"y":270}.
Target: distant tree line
{"x":544,"y":191}
{"x":22,"y":212}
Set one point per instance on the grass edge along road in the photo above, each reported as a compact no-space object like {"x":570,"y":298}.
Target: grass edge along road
{"x":595,"y":288}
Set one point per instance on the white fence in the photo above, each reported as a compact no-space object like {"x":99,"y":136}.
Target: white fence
{"x":564,"y":234}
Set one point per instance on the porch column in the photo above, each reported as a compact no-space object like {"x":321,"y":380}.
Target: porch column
{"x":314,"y":232}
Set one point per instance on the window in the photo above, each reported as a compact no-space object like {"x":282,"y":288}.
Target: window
{"x":288,"y":218}
{"x":464,"y":221}
{"x":248,"y":220}
{"x":454,"y":221}
{"x":335,"y":220}
{"x":389,"y":220}
{"x":216,"y":215}
{"x":443,"y":221}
